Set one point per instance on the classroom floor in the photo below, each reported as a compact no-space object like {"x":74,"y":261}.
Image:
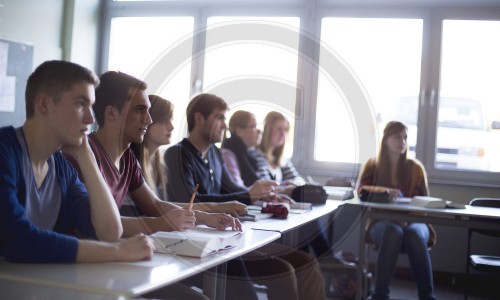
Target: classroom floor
{"x":448,"y":287}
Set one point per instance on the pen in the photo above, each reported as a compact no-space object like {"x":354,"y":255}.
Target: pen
{"x":190,"y":207}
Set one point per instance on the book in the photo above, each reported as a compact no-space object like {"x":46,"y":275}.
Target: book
{"x":255,"y":216}
{"x":195,"y":242}
{"x":433,"y":202}
{"x":295,"y":207}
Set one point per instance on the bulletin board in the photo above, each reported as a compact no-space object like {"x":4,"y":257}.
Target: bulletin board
{"x":16,"y":64}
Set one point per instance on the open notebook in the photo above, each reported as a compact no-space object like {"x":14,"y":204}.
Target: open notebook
{"x":196,"y":242}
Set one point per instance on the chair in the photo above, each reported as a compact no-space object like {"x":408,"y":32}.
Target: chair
{"x":484,"y":263}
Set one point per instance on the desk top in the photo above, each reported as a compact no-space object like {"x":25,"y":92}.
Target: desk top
{"x":294,"y":220}
{"x":127,"y":279}
{"x":468,"y":211}
{"x":22,"y":290}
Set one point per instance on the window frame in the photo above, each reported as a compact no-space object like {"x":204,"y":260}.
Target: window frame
{"x":311,"y":14}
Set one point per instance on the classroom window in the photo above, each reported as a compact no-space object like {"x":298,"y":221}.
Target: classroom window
{"x":139,"y":44}
{"x":385,"y":54}
{"x":427,"y":66}
{"x":258,"y":76}
{"x":468,"y":137}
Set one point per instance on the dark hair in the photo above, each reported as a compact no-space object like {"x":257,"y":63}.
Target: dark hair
{"x":204,"y":104}
{"x":383,"y":161}
{"x":54,"y":77}
{"x":116,"y":89}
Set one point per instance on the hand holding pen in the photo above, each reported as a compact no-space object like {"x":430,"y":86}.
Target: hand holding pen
{"x":191,"y":201}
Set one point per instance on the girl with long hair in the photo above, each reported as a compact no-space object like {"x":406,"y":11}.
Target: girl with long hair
{"x":392,"y":169}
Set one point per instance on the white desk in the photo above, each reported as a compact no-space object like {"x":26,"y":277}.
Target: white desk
{"x":294,"y":220}
{"x":470,"y":217}
{"x":20,"y":290}
{"x":127,"y":279}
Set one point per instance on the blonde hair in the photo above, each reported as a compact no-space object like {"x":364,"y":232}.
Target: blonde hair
{"x":274,"y":155}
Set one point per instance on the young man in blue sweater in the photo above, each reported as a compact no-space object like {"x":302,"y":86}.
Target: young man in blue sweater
{"x":45,"y":208}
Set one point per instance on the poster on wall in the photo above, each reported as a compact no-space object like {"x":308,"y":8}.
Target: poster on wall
{"x":7,"y":83}
{"x":16,"y":64}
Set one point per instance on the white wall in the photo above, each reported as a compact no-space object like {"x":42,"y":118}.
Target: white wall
{"x":38,"y":23}
{"x":57,"y":29}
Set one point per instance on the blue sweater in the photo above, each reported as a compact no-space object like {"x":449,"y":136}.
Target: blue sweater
{"x":21,"y":240}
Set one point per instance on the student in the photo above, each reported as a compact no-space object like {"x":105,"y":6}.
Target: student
{"x":153,"y":170}
{"x":272,"y":165}
{"x":238,"y":150}
{"x":196,"y":158}
{"x":121,"y":110}
{"x":151,"y":160}
{"x":403,"y":176}
{"x":288,"y":274}
{"x":44,"y":204}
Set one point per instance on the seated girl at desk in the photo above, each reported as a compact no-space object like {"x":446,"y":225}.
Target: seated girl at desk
{"x":404,"y":176}
{"x":271,"y":163}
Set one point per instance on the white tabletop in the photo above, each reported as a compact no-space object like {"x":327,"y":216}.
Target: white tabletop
{"x":21,"y":290}
{"x":468,"y":211}
{"x":294,"y":220}
{"x":128,"y":279}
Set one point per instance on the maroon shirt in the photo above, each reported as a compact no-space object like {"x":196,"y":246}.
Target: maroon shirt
{"x":120,"y":182}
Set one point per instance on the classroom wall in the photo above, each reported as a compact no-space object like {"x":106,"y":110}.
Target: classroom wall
{"x":38,"y":23}
{"x":57,"y":29}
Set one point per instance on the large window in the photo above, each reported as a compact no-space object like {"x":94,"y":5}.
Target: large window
{"x":469,"y":96}
{"x":385,"y":54}
{"x":434,"y":68}
{"x":139,"y":46}
{"x":255,"y":75}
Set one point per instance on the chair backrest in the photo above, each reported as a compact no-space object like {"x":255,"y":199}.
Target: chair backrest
{"x":487,"y":202}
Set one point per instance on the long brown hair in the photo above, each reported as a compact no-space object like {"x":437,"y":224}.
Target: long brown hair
{"x":265,"y":145}
{"x":383,"y":175}
{"x":161,"y":110}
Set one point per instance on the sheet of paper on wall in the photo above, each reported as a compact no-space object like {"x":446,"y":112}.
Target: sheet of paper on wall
{"x":4,"y":58}
{"x":7,"y":93}
{"x":7,"y":83}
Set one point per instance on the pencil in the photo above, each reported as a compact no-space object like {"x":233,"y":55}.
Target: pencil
{"x":190,"y":207}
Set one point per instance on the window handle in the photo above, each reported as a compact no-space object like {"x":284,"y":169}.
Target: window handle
{"x":432,"y":98}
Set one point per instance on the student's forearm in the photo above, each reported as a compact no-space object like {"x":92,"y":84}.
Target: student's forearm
{"x":103,"y":209}
{"x":139,"y":247}
{"x":145,"y":225}
{"x":94,"y":251}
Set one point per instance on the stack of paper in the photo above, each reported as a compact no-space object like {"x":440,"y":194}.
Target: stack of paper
{"x":433,"y":202}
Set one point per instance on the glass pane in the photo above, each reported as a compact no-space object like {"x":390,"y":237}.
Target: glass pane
{"x":138,"y":43}
{"x":259,"y":69}
{"x":385,"y":54}
{"x":469,"y":93}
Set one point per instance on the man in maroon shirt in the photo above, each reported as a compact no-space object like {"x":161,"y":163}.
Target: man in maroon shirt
{"x":122,"y":113}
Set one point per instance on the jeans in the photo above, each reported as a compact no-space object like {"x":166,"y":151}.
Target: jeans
{"x":393,"y":238}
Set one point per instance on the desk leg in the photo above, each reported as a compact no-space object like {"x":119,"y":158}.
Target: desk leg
{"x":214,"y":282}
{"x":360,"y":270}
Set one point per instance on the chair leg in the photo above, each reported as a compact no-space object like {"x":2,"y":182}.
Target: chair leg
{"x":467,"y":267}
